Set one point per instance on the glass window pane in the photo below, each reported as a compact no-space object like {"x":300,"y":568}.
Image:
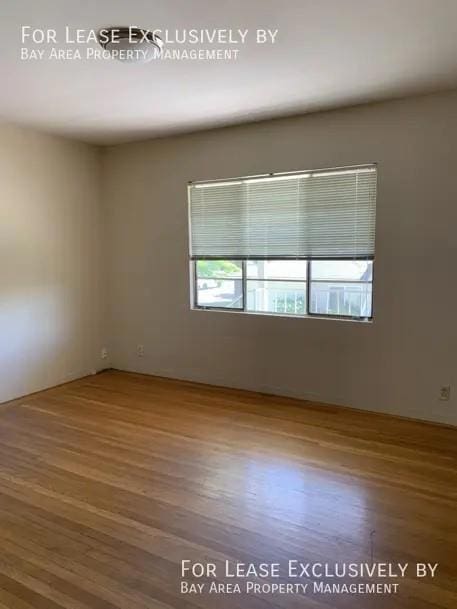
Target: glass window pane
{"x":353,"y":299}
{"x":276,"y":269}
{"x":276,"y":297}
{"x":219,"y":268}
{"x":342,"y":270}
{"x":227,"y":293}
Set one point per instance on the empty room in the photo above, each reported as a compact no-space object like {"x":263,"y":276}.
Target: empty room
{"x":228,"y":337}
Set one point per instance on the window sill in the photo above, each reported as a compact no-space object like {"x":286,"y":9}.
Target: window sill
{"x":360,"y":320}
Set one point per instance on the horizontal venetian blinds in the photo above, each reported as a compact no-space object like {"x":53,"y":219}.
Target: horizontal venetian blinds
{"x":314,"y":214}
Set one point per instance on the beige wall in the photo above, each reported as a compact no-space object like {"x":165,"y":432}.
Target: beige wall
{"x":397,"y":363}
{"x":50,"y":254}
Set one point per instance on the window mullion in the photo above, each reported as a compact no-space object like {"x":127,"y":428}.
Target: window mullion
{"x":308,"y":286}
{"x":244,"y":283}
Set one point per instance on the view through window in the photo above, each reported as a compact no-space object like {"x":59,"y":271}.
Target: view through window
{"x":290,"y":287}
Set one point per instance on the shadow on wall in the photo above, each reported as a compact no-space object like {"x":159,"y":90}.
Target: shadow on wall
{"x":49,"y":274}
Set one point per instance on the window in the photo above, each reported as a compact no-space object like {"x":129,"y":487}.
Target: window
{"x":341,"y":288}
{"x":276,"y":286}
{"x":291,"y":244}
{"x":219,"y":284}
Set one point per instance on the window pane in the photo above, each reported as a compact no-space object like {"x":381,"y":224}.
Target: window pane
{"x":276,"y":269}
{"x":342,"y":270}
{"x":218,"y":268}
{"x":227,"y":293}
{"x":352,"y":299}
{"x":276,"y":297}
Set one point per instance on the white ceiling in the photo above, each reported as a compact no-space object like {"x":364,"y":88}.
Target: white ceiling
{"x":328,"y":53}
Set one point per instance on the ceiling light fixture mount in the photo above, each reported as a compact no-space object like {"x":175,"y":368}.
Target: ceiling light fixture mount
{"x":130,"y":44}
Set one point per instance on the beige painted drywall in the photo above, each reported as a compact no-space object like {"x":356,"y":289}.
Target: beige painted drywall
{"x":51,"y":281}
{"x":397,"y":363}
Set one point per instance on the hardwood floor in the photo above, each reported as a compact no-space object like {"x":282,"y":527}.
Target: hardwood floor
{"x":108,"y":483}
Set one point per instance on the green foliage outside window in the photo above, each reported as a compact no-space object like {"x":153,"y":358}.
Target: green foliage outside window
{"x":290,"y":303}
{"x":218,"y":268}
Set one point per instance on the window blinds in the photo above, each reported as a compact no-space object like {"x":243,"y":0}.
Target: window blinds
{"x":314,"y":214}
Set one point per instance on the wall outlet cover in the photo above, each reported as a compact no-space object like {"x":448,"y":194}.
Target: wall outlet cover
{"x":445,"y":393}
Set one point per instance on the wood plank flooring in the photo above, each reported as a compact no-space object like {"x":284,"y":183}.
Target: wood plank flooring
{"x":108,"y":483}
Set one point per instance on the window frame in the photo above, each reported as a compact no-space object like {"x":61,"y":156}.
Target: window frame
{"x":308,"y":281}
{"x":195,"y":304}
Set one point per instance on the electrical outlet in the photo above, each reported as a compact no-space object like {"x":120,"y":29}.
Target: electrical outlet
{"x":104,"y":353}
{"x":140,"y":350}
{"x":445,"y":393}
